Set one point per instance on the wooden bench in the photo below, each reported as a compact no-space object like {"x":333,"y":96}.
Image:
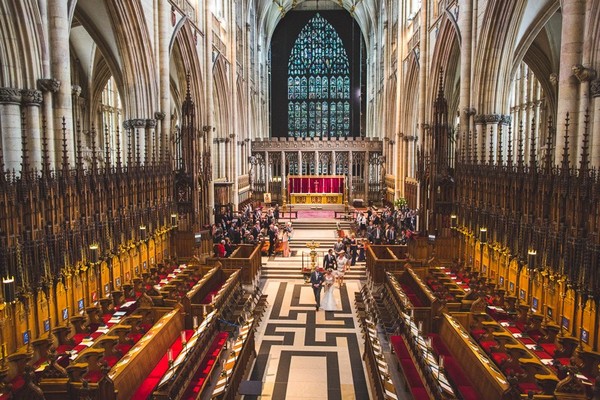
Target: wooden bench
{"x":205,"y":369}
{"x":413,"y":380}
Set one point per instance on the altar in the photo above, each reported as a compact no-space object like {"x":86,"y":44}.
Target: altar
{"x":316,"y":189}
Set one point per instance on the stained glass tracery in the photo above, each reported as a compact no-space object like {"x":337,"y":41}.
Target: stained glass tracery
{"x":318,"y":83}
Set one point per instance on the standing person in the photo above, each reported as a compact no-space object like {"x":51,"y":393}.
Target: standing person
{"x":338,"y":247}
{"x":316,"y":281}
{"x":272,"y":239}
{"x":353,"y":249}
{"x":342,"y":265}
{"x":285,"y":238}
{"x":329,"y":261}
{"x":329,"y":303}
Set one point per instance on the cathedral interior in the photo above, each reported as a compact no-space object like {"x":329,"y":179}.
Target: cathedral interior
{"x":136,"y":134}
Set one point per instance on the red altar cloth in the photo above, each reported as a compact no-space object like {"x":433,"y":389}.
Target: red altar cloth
{"x":316,"y":184}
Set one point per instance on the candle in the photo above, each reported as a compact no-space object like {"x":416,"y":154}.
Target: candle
{"x":170,"y":356}
{"x":204,"y":310}
{"x":412,"y":313}
{"x":195,"y":321}
{"x":212,"y":298}
{"x":420,"y":326}
{"x":441,"y":362}
{"x":183,"y":338}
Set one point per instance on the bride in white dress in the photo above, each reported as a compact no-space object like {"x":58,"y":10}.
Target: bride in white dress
{"x":328,"y":303}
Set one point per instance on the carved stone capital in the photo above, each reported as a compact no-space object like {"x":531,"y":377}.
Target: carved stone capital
{"x":425,"y":127}
{"x":159,"y":115}
{"x":469,"y":111}
{"x":10,"y":96}
{"x":138,"y":123}
{"x":595,"y":88}
{"x":505,"y":119}
{"x":584,"y":74}
{"x":206,"y":128}
{"x":127,"y":124}
{"x":31,"y":97}
{"x":76,"y":90}
{"x":554,"y":79}
{"x":493,"y":118}
{"x":151,"y":123}
{"x":487,"y":118}
{"x":48,"y":85}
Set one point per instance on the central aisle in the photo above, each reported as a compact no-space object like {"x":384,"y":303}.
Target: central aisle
{"x":303,"y":353}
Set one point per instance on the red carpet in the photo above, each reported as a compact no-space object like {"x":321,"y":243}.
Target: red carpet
{"x":145,"y":390}
{"x":303,"y":214}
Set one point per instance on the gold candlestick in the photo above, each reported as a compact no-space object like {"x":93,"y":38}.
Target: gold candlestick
{"x":313,"y":253}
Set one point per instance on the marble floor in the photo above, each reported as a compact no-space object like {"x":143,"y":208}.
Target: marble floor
{"x":307,"y":354}
{"x":303,"y":353}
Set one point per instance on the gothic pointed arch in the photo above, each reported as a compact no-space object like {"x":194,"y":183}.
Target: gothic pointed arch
{"x":133,"y":38}
{"x":318,"y":83}
{"x":446,"y":57}
{"x":19,"y":60}
{"x":495,"y":56}
{"x":184,"y":56}
{"x":222,"y":114}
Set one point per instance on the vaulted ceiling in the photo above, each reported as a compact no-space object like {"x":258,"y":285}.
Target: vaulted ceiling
{"x":270,"y":12}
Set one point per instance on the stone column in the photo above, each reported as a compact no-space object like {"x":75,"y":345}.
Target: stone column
{"x":283,"y":174}
{"x":267,"y":171}
{"x":10,"y":124}
{"x":150,"y":154}
{"x":423,"y":70}
{"x":32,"y":99}
{"x":366,"y":177}
{"x":571,"y":48}
{"x":584,"y":76}
{"x":208,"y":68}
{"x":59,"y":29}
{"x":48,"y":87}
{"x":162,"y":139}
{"x":349,"y":177}
{"x":300,"y":162}
{"x":465,"y":23}
{"x":333,"y":163}
{"x":164,"y":18}
{"x":595,"y":139}
{"x":316,"y":162}
{"x":479,"y":134}
{"x":138,"y":142}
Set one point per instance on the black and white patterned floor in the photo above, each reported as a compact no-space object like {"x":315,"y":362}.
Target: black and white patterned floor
{"x":308,"y":354}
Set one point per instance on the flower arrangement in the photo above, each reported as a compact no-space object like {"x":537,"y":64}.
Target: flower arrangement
{"x":400,"y":202}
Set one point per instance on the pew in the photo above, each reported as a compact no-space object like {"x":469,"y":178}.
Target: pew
{"x":486,"y":379}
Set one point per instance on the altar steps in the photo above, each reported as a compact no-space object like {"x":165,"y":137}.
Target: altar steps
{"x":290,"y":268}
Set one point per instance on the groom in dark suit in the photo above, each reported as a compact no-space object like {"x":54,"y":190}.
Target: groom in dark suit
{"x":316,"y":281}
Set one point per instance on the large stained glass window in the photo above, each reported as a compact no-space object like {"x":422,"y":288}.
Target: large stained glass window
{"x":318,"y":83}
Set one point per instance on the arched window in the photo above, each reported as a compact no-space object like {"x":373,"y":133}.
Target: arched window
{"x":318,"y":81}
{"x":112,"y":117}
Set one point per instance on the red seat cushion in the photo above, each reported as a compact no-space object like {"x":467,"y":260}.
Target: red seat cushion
{"x":526,"y":387}
{"x":419,"y":393}
{"x":499,"y":358}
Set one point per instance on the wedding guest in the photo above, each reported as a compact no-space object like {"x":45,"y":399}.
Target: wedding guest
{"x":329,"y":261}
{"x":285,"y":238}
